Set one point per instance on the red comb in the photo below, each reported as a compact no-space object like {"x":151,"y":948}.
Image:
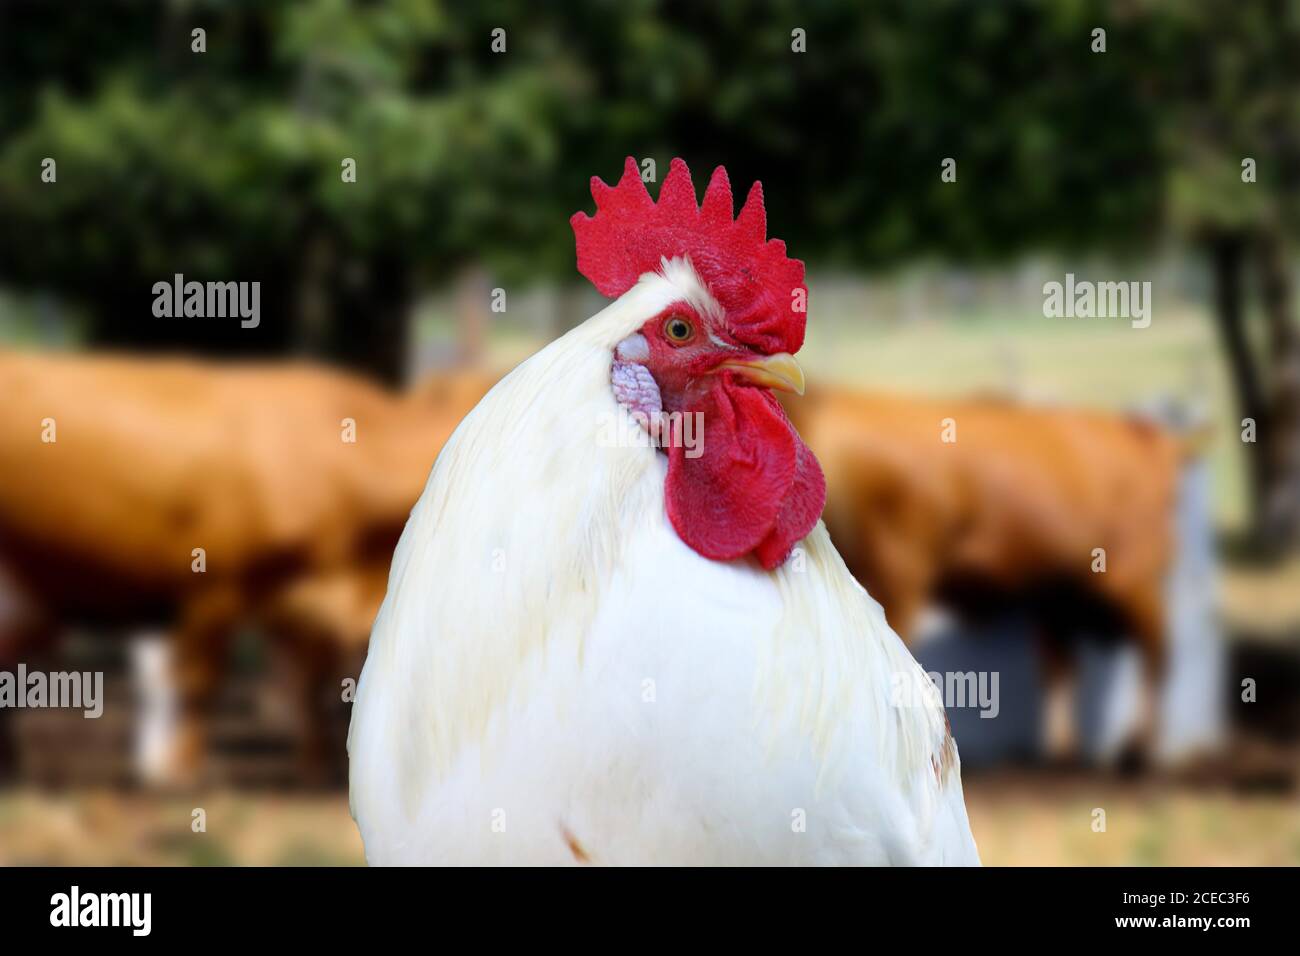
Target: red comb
{"x":748,"y":274}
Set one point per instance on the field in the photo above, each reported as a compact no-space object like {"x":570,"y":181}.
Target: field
{"x":1017,"y":820}
{"x":1041,"y":822}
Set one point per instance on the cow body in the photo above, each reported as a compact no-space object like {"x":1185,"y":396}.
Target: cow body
{"x":202,"y":495}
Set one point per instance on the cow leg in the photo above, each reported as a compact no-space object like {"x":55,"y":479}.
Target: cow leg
{"x":157,"y":719}
{"x":315,"y":660}
{"x":202,"y":647}
{"x":1141,"y":746}
{"x":1148,"y":623}
{"x":21,"y":639}
{"x":1060,"y":724}
{"x":323,"y":743}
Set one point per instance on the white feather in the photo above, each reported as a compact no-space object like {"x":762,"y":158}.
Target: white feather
{"x":554,"y":677}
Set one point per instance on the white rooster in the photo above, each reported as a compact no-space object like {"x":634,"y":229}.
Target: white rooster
{"x":603,"y":650}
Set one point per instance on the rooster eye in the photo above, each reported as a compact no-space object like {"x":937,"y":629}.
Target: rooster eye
{"x":677,"y":329}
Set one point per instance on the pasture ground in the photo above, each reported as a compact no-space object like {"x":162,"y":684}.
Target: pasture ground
{"x":1019,"y":818}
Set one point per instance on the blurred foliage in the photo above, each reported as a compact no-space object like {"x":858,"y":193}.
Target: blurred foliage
{"x":1237,"y":97}
{"x":227,"y":164}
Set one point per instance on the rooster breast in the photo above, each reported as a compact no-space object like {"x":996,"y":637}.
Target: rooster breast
{"x":686,"y":729}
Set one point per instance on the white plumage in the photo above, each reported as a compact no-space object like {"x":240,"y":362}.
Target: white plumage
{"x":554,"y":677}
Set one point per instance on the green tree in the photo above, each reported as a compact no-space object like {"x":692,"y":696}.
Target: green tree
{"x":1231,"y":137}
{"x":226,"y":164}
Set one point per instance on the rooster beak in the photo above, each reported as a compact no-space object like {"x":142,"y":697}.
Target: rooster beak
{"x":779,"y":371}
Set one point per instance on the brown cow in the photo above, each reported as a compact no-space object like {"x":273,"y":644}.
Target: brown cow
{"x":1012,"y":507}
{"x":117,"y":470}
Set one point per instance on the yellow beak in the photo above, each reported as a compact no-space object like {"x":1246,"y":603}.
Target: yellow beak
{"x":779,"y":371}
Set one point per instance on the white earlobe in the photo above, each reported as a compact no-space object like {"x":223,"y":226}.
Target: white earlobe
{"x":634,"y":348}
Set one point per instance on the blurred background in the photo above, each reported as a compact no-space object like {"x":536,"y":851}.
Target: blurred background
{"x":205,"y":512}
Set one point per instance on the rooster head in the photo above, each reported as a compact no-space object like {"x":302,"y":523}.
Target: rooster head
{"x":752,"y":486}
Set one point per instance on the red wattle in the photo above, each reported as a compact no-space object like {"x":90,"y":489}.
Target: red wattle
{"x":755,"y":489}
{"x":800,"y":510}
